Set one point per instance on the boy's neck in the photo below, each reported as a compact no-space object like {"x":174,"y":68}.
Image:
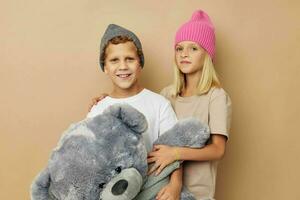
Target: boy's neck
{"x":124,"y":93}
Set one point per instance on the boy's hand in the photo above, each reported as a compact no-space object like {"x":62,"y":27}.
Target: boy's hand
{"x":169,"y":192}
{"x":95,"y":100}
{"x":162,"y":155}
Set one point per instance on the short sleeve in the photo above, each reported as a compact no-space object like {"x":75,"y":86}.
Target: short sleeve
{"x":90,"y":114}
{"x":94,"y":111}
{"x":167,"y":118}
{"x":220,"y":113}
{"x":166,"y":92}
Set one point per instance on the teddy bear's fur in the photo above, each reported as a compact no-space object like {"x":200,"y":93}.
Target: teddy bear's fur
{"x":105,"y":158}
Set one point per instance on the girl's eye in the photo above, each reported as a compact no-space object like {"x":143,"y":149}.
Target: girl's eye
{"x":101,"y":185}
{"x":178,"y":49}
{"x":118,"y":170}
{"x":194,"y":48}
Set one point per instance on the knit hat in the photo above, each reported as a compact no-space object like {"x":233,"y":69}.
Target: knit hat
{"x":114,"y":30}
{"x":200,"y":30}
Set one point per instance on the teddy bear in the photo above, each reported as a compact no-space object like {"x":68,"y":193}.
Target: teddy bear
{"x":105,"y":158}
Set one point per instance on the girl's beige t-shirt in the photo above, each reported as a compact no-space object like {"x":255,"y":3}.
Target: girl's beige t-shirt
{"x":214,"y":109}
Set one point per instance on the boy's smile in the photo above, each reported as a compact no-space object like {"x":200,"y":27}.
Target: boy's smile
{"x":122,"y":65}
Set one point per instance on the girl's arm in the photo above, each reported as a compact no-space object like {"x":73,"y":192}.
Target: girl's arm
{"x":173,"y":189}
{"x":164,"y":155}
{"x":213,"y":151}
{"x":95,"y":100}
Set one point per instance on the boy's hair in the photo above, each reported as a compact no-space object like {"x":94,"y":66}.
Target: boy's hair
{"x":208,"y":79}
{"x":119,"y":40}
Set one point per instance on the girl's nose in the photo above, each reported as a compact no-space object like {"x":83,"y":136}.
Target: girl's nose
{"x":184,"y":53}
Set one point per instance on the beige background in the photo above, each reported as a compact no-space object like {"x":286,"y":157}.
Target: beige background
{"x":49,"y":73}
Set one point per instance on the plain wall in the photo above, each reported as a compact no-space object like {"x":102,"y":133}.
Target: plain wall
{"x":49,"y":73}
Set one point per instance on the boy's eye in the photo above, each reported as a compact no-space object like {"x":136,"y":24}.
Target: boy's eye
{"x":130,"y":59}
{"x":114,"y":60}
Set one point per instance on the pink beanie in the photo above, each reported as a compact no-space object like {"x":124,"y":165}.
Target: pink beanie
{"x":200,"y":30}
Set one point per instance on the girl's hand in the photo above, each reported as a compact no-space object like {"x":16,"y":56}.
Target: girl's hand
{"x":169,"y":192}
{"x":95,"y":100}
{"x":162,"y":155}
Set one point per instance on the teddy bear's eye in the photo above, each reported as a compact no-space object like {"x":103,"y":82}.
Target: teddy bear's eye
{"x":101,"y":185}
{"x":118,"y":170}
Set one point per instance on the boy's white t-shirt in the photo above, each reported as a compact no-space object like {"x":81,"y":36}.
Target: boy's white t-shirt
{"x":157,"y":110}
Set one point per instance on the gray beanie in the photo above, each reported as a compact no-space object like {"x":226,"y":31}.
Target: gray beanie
{"x":114,"y":30}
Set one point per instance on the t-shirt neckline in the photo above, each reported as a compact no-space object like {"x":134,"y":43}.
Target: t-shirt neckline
{"x":131,"y":98}
{"x":187,"y":99}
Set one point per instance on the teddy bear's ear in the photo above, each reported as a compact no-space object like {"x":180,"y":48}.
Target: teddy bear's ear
{"x":130,"y":116}
{"x":40,"y":186}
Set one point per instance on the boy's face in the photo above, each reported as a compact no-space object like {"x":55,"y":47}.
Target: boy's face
{"x":122,"y":65}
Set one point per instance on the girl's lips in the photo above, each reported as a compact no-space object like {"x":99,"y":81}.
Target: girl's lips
{"x":185,"y":62}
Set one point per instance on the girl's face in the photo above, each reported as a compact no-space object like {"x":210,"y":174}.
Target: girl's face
{"x":189,"y":57}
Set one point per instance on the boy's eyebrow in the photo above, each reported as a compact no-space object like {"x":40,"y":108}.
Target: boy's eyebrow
{"x":113,"y":58}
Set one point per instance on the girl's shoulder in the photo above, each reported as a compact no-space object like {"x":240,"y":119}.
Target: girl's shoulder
{"x":213,"y":93}
{"x":216,"y":92}
{"x":167,"y":91}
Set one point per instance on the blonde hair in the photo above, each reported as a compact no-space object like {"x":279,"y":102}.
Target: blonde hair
{"x":209,"y":78}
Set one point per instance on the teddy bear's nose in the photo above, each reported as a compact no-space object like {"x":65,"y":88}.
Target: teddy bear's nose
{"x":119,"y":187}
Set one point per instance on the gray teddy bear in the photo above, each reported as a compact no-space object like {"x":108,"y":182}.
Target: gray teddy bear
{"x":104,"y":158}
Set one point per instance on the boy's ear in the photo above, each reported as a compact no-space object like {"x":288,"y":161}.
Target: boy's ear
{"x":104,"y":68}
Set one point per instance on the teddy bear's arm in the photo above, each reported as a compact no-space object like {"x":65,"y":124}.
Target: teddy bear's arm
{"x":188,"y":132}
{"x":40,"y":186}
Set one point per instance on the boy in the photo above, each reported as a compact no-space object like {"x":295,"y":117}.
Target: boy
{"x":122,"y":59}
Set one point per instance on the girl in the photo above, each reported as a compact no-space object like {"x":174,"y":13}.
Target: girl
{"x":196,"y":92}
